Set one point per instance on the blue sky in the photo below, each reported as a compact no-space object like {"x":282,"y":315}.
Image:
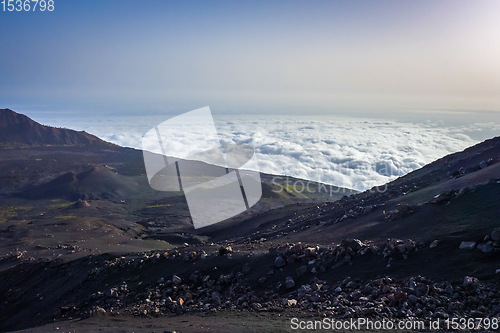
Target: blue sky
{"x":317,"y":57}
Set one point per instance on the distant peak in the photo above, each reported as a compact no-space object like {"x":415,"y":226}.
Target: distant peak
{"x":18,"y":130}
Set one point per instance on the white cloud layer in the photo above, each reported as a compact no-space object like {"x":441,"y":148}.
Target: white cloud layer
{"x":353,"y":153}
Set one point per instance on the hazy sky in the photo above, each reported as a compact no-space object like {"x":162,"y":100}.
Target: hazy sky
{"x":252,"y":56}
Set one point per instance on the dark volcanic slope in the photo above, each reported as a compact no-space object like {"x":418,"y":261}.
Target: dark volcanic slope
{"x":390,"y":252}
{"x":98,"y":182}
{"x":454,"y":198}
{"x":19,"y":130}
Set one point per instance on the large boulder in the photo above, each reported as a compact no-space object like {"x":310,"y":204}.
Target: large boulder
{"x":421,"y":289}
{"x":354,"y":244}
{"x":485,"y":247}
{"x":495,"y":235}
{"x":467,"y":245}
{"x":470,"y":281}
{"x":279,"y":261}
{"x":176,"y":280}
{"x":225,"y":250}
{"x":289,"y":283}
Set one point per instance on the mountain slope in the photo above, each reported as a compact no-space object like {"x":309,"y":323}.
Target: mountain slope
{"x":391,"y":252}
{"x":19,"y":130}
{"x":454,"y":195}
{"x":98,"y":182}
{"x":450,"y":201}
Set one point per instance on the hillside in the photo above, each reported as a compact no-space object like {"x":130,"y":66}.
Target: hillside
{"x":18,"y":130}
{"x":96,"y":183}
{"x":425,"y":246}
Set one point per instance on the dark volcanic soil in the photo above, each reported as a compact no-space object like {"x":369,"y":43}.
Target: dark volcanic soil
{"x":83,"y":236}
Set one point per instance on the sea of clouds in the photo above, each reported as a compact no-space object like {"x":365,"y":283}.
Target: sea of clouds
{"x":352,"y":153}
{"x":348,"y":152}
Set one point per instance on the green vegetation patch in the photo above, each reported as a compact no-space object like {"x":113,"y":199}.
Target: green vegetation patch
{"x":62,"y":205}
{"x":10,"y":212}
{"x":160,"y":205}
{"x":290,"y":189}
{"x":65,"y":217}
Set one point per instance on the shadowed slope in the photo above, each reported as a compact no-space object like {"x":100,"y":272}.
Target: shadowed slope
{"x":98,"y":182}
{"x":19,"y":130}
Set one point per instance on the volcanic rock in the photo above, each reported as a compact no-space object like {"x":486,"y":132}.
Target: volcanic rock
{"x":279,"y":262}
{"x":467,"y":245}
{"x":421,"y":289}
{"x":176,"y":280}
{"x":301,"y":270}
{"x":495,"y":235}
{"x":485,"y":247}
{"x":289,"y":282}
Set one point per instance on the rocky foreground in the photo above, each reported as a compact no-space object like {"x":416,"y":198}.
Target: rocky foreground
{"x":423,"y":247}
{"x":210,"y":291}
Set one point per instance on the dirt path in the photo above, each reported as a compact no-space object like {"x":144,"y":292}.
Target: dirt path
{"x":222,"y":323}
